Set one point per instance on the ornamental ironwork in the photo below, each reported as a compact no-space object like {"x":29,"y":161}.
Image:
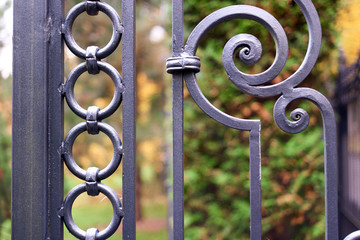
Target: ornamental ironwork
{"x":184,"y":65}
{"x":37,"y":169}
{"x":93,"y":117}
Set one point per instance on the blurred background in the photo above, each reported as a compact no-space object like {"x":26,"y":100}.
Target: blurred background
{"x":216,"y":158}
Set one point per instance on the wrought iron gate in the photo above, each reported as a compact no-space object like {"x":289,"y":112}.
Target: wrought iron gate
{"x":185,"y":64}
{"x":347,"y":104}
{"x":38,"y":145}
{"x":38,"y":209}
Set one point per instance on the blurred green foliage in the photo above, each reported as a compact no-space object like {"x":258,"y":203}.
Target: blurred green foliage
{"x":5,"y":178}
{"x":217,"y":202}
{"x":87,"y":216}
{"x":5,"y":146}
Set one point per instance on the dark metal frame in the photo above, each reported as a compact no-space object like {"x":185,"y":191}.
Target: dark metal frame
{"x":37,"y":167}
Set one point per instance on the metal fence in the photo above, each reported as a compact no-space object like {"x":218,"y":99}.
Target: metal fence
{"x":39,"y":148}
{"x":347,"y":105}
{"x":38,"y":209}
{"x":93,"y":116}
{"x":185,"y":64}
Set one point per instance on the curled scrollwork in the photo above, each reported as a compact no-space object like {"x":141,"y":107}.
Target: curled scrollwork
{"x":300,"y":123}
{"x":253,"y":83}
{"x":250,"y":53}
{"x":251,"y":49}
{"x":259,"y":85}
{"x":299,"y":116}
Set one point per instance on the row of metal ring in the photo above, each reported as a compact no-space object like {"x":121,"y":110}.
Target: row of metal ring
{"x":93,"y":116}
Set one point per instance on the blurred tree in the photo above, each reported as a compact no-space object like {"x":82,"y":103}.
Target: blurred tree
{"x":348,"y":22}
{"x":5,"y":143}
{"x":5,"y":151}
{"x":216,"y":158}
{"x":3,"y":7}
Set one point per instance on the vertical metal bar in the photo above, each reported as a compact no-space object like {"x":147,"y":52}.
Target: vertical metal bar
{"x":342,"y":132}
{"x":55,"y":68}
{"x":37,"y":170}
{"x":331,"y":175}
{"x":129,"y":124}
{"x":178,"y":124}
{"x":178,"y":156}
{"x":255,"y":184}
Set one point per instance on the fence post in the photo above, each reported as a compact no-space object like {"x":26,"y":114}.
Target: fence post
{"x":37,"y":169}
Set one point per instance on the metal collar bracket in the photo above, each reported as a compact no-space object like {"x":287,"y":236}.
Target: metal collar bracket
{"x":183,"y":64}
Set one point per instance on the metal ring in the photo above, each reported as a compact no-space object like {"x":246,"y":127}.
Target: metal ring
{"x":116,"y":100}
{"x":118,"y":29}
{"x":115,"y":221}
{"x":75,"y":168}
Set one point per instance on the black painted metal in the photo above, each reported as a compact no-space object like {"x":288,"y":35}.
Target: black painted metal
{"x":185,"y":64}
{"x":37,"y":188}
{"x":129,"y":121}
{"x":37,"y":169}
{"x":93,"y":116}
{"x":105,"y":8}
{"x":115,"y":221}
{"x":178,"y":125}
{"x":68,"y":145}
{"x":68,"y":90}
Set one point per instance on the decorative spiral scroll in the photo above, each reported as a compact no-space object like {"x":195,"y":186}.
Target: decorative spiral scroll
{"x":253,"y":84}
{"x":251,"y":48}
{"x":300,"y":120}
{"x":251,"y":54}
{"x":250,"y":83}
{"x":299,"y":116}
